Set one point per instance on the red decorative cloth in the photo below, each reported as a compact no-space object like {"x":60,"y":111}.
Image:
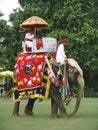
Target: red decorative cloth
{"x":28,"y":69}
{"x":28,"y":49}
{"x":39,"y":43}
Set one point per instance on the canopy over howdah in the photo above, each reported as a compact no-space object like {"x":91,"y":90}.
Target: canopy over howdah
{"x":34,"y":22}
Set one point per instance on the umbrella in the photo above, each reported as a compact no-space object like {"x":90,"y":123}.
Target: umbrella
{"x":34,"y":22}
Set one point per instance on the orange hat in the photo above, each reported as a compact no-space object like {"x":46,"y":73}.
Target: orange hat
{"x":63,"y":41}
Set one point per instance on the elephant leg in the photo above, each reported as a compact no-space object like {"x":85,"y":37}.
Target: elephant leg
{"x":62,"y":110}
{"x":29,"y":107}
{"x":56,"y":96}
{"x":16,"y":109}
{"x":54,"y":109}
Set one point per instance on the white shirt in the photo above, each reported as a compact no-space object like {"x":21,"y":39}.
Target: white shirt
{"x":60,"y":55}
{"x":30,"y":37}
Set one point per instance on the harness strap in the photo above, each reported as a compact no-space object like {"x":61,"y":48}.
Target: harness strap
{"x":51,"y":73}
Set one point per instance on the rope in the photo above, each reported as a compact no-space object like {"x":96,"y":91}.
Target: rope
{"x":53,"y":78}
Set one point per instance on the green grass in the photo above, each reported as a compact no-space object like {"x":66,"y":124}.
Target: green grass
{"x":85,"y":119}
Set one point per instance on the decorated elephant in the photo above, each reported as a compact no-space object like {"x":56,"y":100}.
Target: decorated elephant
{"x":52,"y":84}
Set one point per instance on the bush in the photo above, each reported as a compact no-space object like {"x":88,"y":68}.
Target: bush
{"x":90,"y":92}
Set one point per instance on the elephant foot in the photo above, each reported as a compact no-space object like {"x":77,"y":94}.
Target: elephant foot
{"x":64,"y":116}
{"x":55,"y":116}
{"x":29,"y":113}
{"x":15,"y":114}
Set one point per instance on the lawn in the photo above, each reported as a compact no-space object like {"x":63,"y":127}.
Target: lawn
{"x":85,"y":119}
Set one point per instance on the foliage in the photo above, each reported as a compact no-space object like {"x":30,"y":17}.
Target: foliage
{"x":8,"y":83}
{"x":90,"y":92}
{"x":76,"y":20}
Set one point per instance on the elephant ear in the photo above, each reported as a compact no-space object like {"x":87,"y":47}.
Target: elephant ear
{"x":73,"y":63}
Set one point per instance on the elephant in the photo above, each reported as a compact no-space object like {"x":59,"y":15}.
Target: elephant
{"x":74,"y":75}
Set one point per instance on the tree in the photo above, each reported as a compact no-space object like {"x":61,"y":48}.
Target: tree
{"x":75,"y":19}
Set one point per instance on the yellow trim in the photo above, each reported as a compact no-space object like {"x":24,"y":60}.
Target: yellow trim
{"x":15,"y":88}
{"x":48,"y":87}
{"x":40,"y":97}
{"x":17,"y":100}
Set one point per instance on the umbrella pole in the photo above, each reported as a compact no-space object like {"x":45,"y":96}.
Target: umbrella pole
{"x":35,"y":32}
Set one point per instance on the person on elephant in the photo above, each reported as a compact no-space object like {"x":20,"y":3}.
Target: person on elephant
{"x":61,"y":60}
{"x":60,"y":53}
{"x":29,"y":43}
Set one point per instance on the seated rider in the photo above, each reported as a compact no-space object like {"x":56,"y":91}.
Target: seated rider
{"x":60,"y":53}
{"x":61,"y":60}
{"x":61,"y":56}
{"x":29,"y":43}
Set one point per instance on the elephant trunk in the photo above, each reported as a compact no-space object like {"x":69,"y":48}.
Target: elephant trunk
{"x":80,"y":84}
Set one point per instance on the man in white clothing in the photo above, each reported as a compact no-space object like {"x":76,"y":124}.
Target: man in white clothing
{"x":60,"y":54}
{"x":29,"y":40}
{"x":61,"y":60}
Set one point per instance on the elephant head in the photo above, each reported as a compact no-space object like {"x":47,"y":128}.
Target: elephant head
{"x":75,"y":78}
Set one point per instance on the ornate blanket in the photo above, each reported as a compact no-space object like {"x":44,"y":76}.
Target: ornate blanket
{"x":73,"y":63}
{"x":31,"y":77}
